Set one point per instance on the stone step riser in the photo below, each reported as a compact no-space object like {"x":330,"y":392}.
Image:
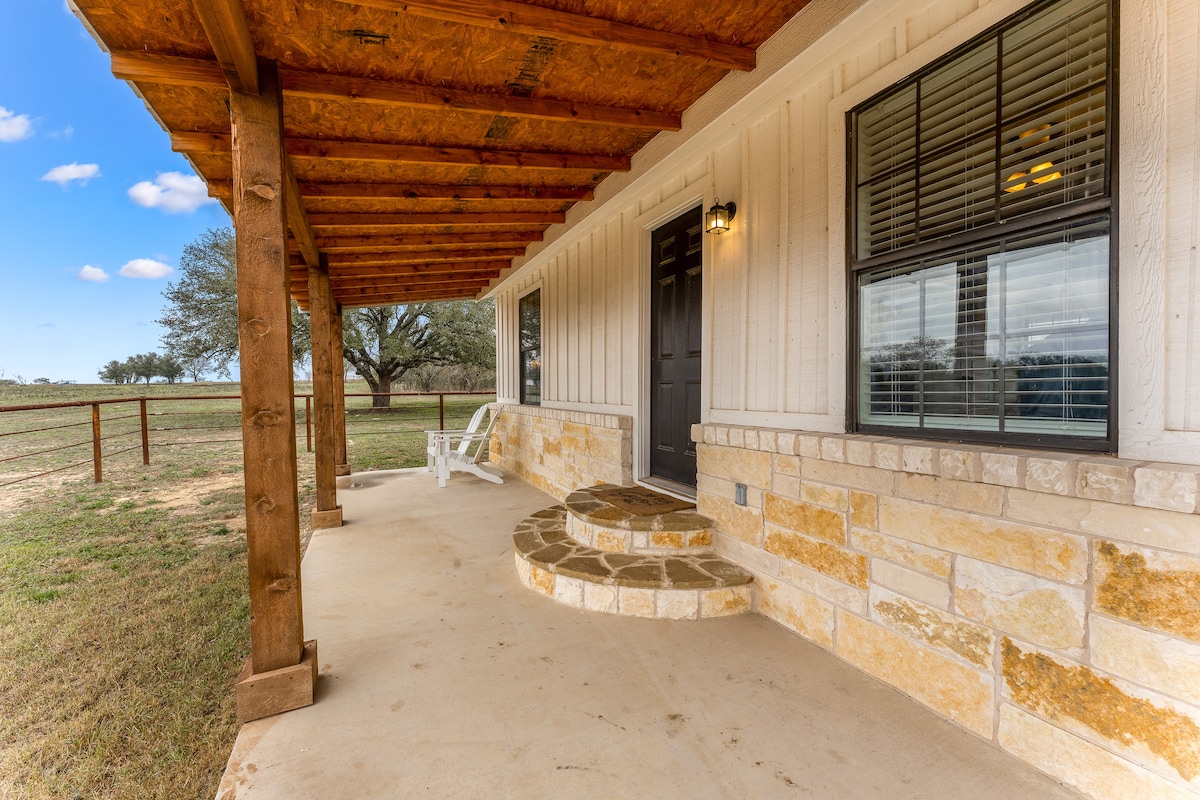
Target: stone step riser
{"x":617,"y":540}
{"x":629,"y":601}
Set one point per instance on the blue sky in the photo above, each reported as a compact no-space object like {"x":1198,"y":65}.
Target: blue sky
{"x":63,"y":118}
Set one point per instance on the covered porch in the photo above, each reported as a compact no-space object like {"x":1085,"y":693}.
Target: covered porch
{"x":447,"y":678}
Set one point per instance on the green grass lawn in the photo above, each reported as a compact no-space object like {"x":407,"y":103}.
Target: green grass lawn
{"x":123,"y":610}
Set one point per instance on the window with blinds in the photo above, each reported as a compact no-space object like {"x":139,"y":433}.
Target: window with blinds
{"x":529,"y":312}
{"x":980,"y":211}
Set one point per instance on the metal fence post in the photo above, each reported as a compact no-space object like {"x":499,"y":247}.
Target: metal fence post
{"x":97,"y":469}
{"x":145,"y":433}
{"x":308,"y":420}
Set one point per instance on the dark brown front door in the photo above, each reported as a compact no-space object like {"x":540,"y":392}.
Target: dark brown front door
{"x":675,"y":346}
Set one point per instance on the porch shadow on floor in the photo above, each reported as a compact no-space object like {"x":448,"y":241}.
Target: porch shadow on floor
{"x":443,"y":677}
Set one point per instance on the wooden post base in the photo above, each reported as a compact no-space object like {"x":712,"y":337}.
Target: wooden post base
{"x":327,"y":519}
{"x":341,"y":469}
{"x":270,"y":693}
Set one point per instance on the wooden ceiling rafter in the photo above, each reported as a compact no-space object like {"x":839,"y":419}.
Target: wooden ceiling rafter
{"x":199,"y":142}
{"x":167,"y":70}
{"x":415,"y":219}
{"x":417,"y":240}
{"x":401,"y":283}
{"x":224,"y":22}
{"x":423,"y":191}
{"x":416,"y":257}
{"x":298,"y":279}
{"x":533,"y":20}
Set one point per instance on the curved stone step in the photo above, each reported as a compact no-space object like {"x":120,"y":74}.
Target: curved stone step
{"x":599,"y":524}
{"x":664,"y":586}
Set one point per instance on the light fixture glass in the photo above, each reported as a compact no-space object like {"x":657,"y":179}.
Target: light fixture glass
{"x":1042,"y":173}
{"x":716,"y":219}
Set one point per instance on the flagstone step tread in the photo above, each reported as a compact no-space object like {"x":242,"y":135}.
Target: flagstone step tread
{"x":584,"y":505}
{"x":542,"y":540}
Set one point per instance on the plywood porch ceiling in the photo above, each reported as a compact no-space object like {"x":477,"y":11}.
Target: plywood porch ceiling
{"x":430,"y":141}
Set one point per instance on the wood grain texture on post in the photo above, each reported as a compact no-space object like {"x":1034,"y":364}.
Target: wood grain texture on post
{"x":268,"y":412}
{"x":321,"y":314}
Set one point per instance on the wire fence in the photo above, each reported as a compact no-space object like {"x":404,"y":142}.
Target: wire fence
{"x":42,"y":439}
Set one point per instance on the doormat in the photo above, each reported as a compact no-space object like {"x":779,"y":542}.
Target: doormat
{"x":640,"y":501}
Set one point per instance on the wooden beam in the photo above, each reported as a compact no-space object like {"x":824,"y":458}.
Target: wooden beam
{"x":298,"y":275}
{"x":297,"y":217}
{"x":417,"y":257}
{"x":408,"y":241}
{"x":193,"y":143}
{"x":410,"y":281}
{"x":144,"y":67}
{"x":534,"y":20}
{"x":389,"y":297}
{"x":268,"y":415}
{"x":341,"y":461}
{"x":326,"y":513}
{"x":448,"y":218}
{"x":424,"y":191}
{"x":374,"y":301}
{"x":224,"y":22}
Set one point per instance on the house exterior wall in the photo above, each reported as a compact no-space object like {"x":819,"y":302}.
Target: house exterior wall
{"x":971,"y":577}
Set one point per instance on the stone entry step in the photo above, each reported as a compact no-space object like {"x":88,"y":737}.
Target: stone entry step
{"x":663,"y":586}
{"x":596,"y":522}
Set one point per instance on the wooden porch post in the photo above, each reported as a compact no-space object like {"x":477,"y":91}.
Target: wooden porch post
{"x":327,"y":514}
{"x":341,"y":459}
{"x":281,"y":672}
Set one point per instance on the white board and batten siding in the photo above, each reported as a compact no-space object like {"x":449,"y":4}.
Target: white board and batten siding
{"x":775,"y":286}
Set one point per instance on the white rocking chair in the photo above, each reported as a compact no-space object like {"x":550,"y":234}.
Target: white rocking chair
{"x":452,"y":450}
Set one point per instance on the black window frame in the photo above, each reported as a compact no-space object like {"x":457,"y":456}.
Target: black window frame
{"x":534,"y":296}
{"x":994,"y":233}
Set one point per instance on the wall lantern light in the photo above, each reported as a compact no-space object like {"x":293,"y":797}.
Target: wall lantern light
{"x":716,"y":219}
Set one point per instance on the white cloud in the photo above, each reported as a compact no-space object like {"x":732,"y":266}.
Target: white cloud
{"x":145,"y":268}
{"x":13,"y":126}
{"x":65,"y":133}
{"x":173,"y":192}
{"x":72,"y":172}
{"x":94,"y":274}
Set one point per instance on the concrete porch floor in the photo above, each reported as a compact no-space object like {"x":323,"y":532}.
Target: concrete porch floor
{"x":443,"y":677}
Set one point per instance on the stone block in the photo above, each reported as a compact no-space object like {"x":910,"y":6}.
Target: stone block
{"x":1164,"y":663}
{"x":1109,"y":479}
{"x":960,"y":464}
{"x":948,"y":633}
{"x":1047,"y":553}
{"x":833,"y":448}
{"x":866,"y":479}
{"x":1051,"y":475}
{"x":599,"y":597}
{"x":785,"y":443}
{"x":726,"y":602}
{"x":806,"y":518}
{"x":1155,"y":730}
{"x":981,"y":498}
{"x":1167,"y":486}
{"x":814,"y":583}
{"x":1168,"y":529}
{"x":667,"y":540}
{"x":1094,"y":771}
{"x":710,"y":435}
{"x":568,"y":591}
{"x":1002,"y":469}
{"x":633,"y":602}
{"x":523,"y":568}
{"x":864,"y":509}
{"x":933,"y":592}
{"x":768,"y":441}
{"x":740,"y":522}
{"x":821,"y":556}
{"x":887,"y":456}
{"x":797,"y":611}
{"x":808,"y":445}
{"x":541,"y":580}
{"x":737,"y":437}
{"x":722,"y":436}
{"x":785,"y":485}
{"x":675,"y":604}
{"x":748,"y":556}
{"x":1040,"y":611}
{"x":919,"y":459}
{"x":1154,"y":588}
{"x":860,"y":452}
{"x":751,"y":439}
{"x":960,"y":693}
{"x":900,"y":551}
{"x":787,"y":465}
{"x":735,"y":464}
{"x":822,"y":494}
{"x":697,"y":432}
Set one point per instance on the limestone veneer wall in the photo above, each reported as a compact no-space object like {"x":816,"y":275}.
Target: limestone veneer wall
{"x":560,"y":451}
{"x":1049,"y":603}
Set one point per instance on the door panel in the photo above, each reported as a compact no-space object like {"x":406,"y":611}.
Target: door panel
{"x":675,"y":347}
